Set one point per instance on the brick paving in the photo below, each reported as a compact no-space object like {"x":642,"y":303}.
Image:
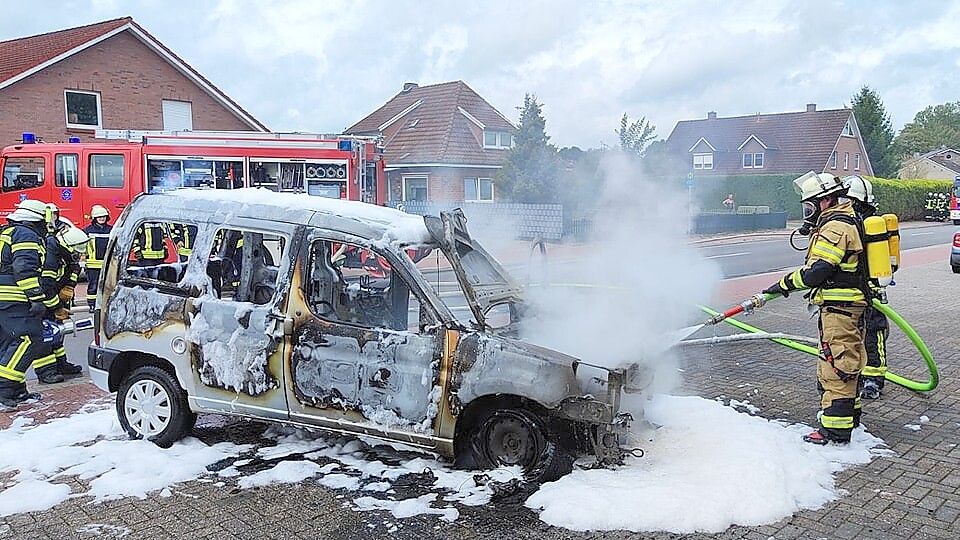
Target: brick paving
{"x":913,"y":494}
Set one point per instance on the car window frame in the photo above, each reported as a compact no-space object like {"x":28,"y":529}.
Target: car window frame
{"x":180,"y":288}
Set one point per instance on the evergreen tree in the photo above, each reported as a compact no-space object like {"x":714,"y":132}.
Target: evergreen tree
{"x":932,"y":128}
{"x":877,"y":132}
{"x":530,"y":173}
{"x":635,"y":136}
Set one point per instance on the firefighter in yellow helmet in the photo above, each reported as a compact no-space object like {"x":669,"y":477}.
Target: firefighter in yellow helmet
{"x":99,"y":233}
{"x":835,"y":270}
{"x":22,"y":300}
{"x":860,"y":192}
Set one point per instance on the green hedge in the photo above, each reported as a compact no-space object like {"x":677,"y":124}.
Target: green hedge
{"x":906,"y":198}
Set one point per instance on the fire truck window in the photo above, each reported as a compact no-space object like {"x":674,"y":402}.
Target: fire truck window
{"x":164,"y":175}
{"x":22,"y":173}
{"x":106,"y":171}
{"x":244,"y":265}
{"x":228,"y":174}
{"x":355,"y":285}
{"x":68,"y":165}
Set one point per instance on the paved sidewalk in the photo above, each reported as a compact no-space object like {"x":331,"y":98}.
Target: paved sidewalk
{"x":914,"y":494}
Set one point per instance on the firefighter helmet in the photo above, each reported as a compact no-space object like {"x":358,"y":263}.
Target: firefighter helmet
{"x":29,"y":210}
{"x":74,"y":238}
{"x":97,"y":211}
{"x":859,"y":188}
{"x":815,"y":186}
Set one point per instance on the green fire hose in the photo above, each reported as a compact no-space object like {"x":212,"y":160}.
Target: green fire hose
{"x":813,"y":351}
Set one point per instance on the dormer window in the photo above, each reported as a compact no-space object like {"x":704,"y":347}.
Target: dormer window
{"x":848,"y":129}
{"x":703,"y":161}
{"x":497,"y":139}
{"x":753,"y":160}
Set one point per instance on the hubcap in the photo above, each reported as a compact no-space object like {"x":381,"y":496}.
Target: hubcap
{"x":147,"y":407}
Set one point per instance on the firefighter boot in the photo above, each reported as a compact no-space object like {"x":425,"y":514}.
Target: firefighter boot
{"x":870,"y":390}
{"x":67,"y":369}
{"x":49,"y":375}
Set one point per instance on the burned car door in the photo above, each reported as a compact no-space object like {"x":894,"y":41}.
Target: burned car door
{"x":236,"y":327}
{"x":365,"y":350}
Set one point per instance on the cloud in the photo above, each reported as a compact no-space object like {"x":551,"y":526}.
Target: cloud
{"x":333,"y":63}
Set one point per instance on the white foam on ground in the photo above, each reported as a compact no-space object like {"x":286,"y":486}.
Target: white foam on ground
{"x":708,"y":468}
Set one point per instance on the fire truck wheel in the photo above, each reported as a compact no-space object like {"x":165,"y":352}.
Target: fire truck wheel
{"x":151,"y":405}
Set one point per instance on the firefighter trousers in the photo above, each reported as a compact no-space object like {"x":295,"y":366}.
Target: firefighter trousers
{"x":842,"y":358}
{"x":21,"y":344}
{"x":93,"y":276}
{"x":876,"y":344}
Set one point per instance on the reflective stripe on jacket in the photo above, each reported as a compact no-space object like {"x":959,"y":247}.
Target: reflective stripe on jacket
{"x":21,"y":260}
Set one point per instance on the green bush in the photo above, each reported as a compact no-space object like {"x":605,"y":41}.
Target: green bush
{"x":906,"y":198}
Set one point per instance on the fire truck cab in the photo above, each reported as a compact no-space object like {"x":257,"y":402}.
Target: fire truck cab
{"x":75,"y":176}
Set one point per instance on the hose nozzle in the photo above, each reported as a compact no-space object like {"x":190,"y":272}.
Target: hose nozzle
{"x":747,"y":306}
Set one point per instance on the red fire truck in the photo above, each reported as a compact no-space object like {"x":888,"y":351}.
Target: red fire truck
{"x":75,"y":176}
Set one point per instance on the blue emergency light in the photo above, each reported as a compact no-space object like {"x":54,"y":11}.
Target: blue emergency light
{"x":346,"y":146}
{"x":29,"y":138}
{"x":74,"y":140}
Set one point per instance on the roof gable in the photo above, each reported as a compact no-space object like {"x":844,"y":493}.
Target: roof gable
{"x":435,"y":124}
{"x":22,"y":57}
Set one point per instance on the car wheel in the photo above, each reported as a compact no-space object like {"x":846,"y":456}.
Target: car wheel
{"x":151,"y":405}
{"x":507,"y":437}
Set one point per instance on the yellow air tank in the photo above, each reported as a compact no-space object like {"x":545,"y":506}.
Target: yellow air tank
{"x":893,"y":231}
{"x":878,"y":250}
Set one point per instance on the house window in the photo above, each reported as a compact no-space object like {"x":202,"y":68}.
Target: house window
{"x":177,"y":115}
{"x":856,"y":162}
{"x":478,"y":189}
{"x":846,"y":160}
{"x":497,"y":139}
{"x":414,"y":188}
{"x":703,"y":161}
{"x":83,"y":109}
{"x":848,"y":129}
{"x":753,"y":161}
{"x":68,"y":166}
{"x":106,"y":171}
{"x":833,"y":159}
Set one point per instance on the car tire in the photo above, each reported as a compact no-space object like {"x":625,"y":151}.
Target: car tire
{"x":507,"y":437}
{"x":151,"y":405}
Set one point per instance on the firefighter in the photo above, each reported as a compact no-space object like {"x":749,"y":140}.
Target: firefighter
{"x":835,"y":270}
{"x":61,"y":268}
{"x":22,"y":301}
{"x":183,"y":237}
{"x":99,"y":233}
{"x":860,"y":192}
{"x":149,"y":246}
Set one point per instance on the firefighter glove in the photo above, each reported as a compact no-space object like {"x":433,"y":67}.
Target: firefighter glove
{"x":777,"y":288}
{"x":61,"y":314}
{"x":66,"y":295}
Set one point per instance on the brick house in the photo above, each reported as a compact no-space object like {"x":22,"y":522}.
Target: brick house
{"x":780,"y":143}
{"x":939,"y":164}
{"x":442,"y":142}
{"x":110,"y":75}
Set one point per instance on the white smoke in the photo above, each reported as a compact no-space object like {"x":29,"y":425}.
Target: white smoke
{"x":637,"y":283}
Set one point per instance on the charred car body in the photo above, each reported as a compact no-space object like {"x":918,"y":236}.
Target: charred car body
{"x":313,"y":312}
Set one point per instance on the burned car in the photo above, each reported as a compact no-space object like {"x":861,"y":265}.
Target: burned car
{"x":338,"y":316}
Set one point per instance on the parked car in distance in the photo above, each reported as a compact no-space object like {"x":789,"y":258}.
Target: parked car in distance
{"x":311,"y":312}
{"x":955,"y":253}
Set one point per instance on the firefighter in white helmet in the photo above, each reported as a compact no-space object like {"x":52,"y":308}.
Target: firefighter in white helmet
{"x":61,"y":269}
{"x":99,"y":233}
{"x":860,"y":192}
{"x":837,"y":276}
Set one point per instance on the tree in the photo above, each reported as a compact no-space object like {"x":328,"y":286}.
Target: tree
{"x":932,"y":128}
{"x":877,"y":132}
{"x":530,"y":173}
{"x":635,"y":136}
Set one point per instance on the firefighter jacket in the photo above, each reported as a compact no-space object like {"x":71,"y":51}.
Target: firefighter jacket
{"x":833,"y":266}
{"x":21,"y":260}
{"x":60,"y":269}
{"x":183,"y":237}
{"x":97,"y":248}
{"x":148,"y":243}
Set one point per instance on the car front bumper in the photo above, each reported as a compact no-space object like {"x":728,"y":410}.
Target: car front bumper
{"x":100,"y":361}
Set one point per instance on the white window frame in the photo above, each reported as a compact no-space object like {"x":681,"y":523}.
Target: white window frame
{"x":498,"y":135}
{"x":703,"y":161}
{"x":847,"y":130}
{"x":424,"y":177}
{"x":478,"y":181}
{"x":846,"y":161}
{"x":744,"y":162}
{"x":833,"y":159}
{"x":66,"y":111}
{"x":856,"y":162}
{"x":163,"y":119}
{"x":762,"y":158}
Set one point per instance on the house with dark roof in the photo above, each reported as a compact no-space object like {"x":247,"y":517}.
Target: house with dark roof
{"x":108,"y":75}
{"x":442,"y":142}
{"x":939,"y":164}
{"x":780,"y":143}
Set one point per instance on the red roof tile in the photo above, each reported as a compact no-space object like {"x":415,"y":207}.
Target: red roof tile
{"x":22,"y":54}
{"x":436,"y":131}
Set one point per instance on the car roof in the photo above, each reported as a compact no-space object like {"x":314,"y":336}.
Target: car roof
{"x":360,"y":219}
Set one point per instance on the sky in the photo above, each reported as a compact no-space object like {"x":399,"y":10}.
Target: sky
{"x":303,"y":65}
